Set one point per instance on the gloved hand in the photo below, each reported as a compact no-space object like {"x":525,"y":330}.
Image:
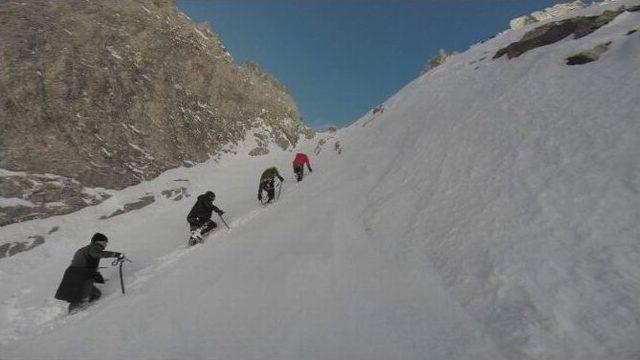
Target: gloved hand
{"x":97,"y":278}
{"x":221,"y":213}
{"x":310,"y":170}
{"x":118,"y":255}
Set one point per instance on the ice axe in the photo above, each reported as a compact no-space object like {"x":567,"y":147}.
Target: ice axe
{"x":118,"y":262}
{"x":224,"y":222}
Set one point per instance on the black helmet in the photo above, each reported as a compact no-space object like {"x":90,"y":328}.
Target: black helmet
{"x":210,"y":195}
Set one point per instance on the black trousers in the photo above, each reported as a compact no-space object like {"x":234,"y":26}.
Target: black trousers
{"x":90,"y":294}
{"x":299,"y":171}
{"x":205,"y":226}
{"x":270,"y":188}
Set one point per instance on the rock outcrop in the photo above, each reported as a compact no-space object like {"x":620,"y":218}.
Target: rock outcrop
{"x":550,"y":33}
{"x":435,"y":61}
{"x":112,"y":92}
{"x":546,"y":14}
{"x":32,"y":196}
{"x":588,"y":56}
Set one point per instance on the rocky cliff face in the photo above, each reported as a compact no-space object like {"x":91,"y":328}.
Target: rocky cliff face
{"x":112,"y":92}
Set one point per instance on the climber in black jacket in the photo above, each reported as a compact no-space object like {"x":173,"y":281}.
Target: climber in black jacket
{"x":77,"y":286}
{"x":199,"y":217}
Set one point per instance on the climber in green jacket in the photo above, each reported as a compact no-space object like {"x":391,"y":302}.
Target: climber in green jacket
{"x":267,"y":183}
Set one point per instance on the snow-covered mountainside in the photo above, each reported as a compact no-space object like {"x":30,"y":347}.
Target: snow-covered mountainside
{"x":488,"y":210}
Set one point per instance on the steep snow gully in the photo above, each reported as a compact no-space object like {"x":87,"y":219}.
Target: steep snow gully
{"x":491,"y":211}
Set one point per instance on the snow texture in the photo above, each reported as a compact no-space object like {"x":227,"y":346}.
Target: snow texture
{"x":491,"y":212}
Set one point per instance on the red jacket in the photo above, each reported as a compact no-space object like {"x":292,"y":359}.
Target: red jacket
{"x":300,"y":160}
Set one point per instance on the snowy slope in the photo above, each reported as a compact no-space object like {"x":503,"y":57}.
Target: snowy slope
{"x":490,"y":212}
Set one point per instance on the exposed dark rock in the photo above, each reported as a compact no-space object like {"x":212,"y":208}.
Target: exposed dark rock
{"x":176,"y":194}
{"x":53,"y":229}
{"x":632,"y":31}
{"x":589,"y":55}
{"x":377,"y":111}
{"x":337,"y":147}
{"x":633,"y":8}
{"x":475,"y":61}
{"x":10,"y":249}
{"x":17,"y":248}
{"x":309,"y":133}
{"x":253,"y":67}
{"x":261,"y":136}
{"x":579,"y":59}
{"x":258,"y":151}
{"x":589,"y":25}
{"x":4,"y":248}
{"x":42,"y":196}
{"x":550,"y":33}
{"x":16,"y":214}
{"x":435,"y":61}
{"x":139,"y":204}
{"x":281,"y":141}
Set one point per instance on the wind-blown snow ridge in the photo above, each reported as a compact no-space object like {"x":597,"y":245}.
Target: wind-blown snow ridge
{"x":490,"y":212}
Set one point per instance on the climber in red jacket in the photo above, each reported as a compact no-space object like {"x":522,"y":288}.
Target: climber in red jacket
{"x":298,"y":165}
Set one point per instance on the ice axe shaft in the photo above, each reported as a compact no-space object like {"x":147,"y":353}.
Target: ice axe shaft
{"x":119,"y":262}
{"x":224,"y":222}
{"x":121,"y":280}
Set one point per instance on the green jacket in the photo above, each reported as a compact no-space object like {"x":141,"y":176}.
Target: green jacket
{"x":269,"y":175}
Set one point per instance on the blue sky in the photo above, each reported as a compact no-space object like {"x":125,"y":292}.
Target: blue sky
{"x":340,"y":58}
